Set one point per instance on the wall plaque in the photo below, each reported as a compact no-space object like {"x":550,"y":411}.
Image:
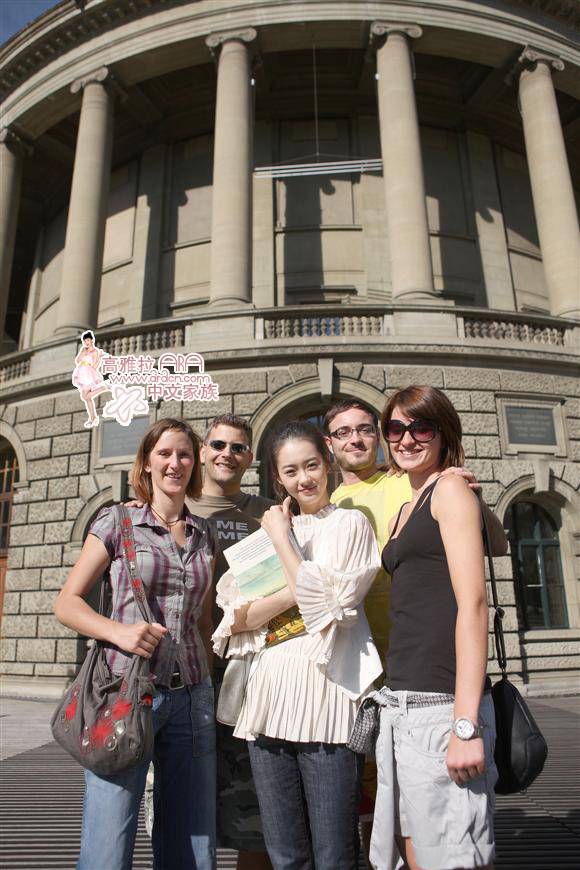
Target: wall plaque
{"x":120,"y":440}
{"x":531,"y":425}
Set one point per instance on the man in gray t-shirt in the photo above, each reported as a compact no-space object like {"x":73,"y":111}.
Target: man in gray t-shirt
{"x":233,"y":514}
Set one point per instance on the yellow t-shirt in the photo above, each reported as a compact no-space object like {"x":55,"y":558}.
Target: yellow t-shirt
{"x":379,"y":498}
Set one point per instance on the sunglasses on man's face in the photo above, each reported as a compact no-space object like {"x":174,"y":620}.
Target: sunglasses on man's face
{"x":420,"y":431}
{"x":236,"y":448}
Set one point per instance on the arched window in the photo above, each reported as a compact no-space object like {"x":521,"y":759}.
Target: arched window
{"x":8,"y":477}
{"x":316,"y":417}
{"x":535,"y":548}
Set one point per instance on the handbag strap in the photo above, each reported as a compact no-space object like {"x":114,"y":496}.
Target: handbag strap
{"x":129,"y":551}
{"x":499,"y":612}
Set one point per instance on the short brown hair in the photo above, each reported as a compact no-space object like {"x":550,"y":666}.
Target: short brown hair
{"x":231,"y":420}
{"x":428,"y":403}
{"x":346,"y":405}
{"x":141,"y":479}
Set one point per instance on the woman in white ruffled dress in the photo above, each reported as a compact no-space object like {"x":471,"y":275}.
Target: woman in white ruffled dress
{"x":302,"y":695}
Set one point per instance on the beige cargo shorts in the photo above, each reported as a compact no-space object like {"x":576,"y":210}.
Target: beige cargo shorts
{"x":449,"y":825}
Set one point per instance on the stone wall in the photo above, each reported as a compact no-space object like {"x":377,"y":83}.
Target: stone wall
{"x":58,"y":483}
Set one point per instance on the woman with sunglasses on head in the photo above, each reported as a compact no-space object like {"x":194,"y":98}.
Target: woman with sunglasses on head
{"x":175,"y":557}
{"x":301,"y":697}
{"x":437,"y":727}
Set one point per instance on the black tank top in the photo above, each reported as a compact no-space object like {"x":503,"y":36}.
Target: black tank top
{"x":421,"y":655}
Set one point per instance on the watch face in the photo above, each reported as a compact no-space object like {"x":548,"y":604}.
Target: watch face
{"x":465,"y":729}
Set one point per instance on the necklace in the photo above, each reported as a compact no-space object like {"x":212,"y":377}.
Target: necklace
{"x":168,"y":523}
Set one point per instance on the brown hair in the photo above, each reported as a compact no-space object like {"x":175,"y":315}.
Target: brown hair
{"x":141,"y":479}
{"x":231,"y":420}
{"x":346,"y":405}
{"x":428,"y":403}
{"x":295,"y":430}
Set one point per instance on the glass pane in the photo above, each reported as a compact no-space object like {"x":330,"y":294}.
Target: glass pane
{"x":5,"y":512}
{"x":524,"y":519}
{"x":534,"y":613}
{"x":8,"y":480}
{"x":557,"y":607}
{"x":529,"y":574}
{"x":3,"y":537}
{"x":546,"y":525}
{"x":552,"y":566}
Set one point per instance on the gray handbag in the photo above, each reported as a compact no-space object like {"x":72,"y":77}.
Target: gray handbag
{"x":233,"y":689}
{"x":105,"y":721}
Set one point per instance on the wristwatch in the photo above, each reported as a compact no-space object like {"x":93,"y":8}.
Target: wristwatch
{"x":465,"y":729}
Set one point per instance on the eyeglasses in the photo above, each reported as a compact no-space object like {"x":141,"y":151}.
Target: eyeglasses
{"x":236,"y":448}
{"x":366,"y":430}
{"x":420,"y":431}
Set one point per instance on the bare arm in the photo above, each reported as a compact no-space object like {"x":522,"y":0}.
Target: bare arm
{"x":258,"y":613}
{"x":497,"y":537}
{"x":457,"y":511}
{"x":71,"y":609}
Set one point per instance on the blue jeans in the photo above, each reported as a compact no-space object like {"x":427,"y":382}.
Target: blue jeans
{"x":308,"y":803}
{"x":184,"y":793}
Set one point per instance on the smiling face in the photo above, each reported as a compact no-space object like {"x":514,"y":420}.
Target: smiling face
{"x":303,"y":474}
{"x":88,"y":343}
{"x":358,"y":452}
{"x":224,"y":465}
{"x":413,"y":456}
{"x":170,"y":463}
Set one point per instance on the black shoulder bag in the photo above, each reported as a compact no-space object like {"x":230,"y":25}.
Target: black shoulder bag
{"x":520,"y":748}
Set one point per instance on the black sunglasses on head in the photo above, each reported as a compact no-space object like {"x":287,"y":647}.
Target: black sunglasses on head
{"x":421,"y":431}
{"x":236,"y":448}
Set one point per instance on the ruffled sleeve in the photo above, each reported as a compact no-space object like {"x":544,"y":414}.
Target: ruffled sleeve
{"x":229,"y":598}
{"x":329,"y":590}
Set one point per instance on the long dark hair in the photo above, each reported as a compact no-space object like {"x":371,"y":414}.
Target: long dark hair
{"x":295,"y":430}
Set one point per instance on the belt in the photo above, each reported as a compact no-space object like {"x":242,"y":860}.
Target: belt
{"x":420,"y":699}
{"x":176,"y":681}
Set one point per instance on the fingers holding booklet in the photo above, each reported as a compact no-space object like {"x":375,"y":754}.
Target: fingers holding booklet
{"x":259,"y":574}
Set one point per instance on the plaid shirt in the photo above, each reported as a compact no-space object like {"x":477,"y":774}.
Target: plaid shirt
{"x":176,"y":582}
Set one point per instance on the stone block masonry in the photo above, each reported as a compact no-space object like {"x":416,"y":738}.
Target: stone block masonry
{"x":61,"y":483}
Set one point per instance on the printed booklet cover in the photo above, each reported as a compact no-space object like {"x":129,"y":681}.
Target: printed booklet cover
{"x":259,"y":573}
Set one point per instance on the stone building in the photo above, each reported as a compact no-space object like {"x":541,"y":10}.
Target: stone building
{"x":324,"y":199}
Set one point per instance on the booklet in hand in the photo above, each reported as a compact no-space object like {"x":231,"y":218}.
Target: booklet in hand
{"x":258,"y":570}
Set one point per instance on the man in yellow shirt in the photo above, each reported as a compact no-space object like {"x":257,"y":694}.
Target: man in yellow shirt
{"x":353,"y":436}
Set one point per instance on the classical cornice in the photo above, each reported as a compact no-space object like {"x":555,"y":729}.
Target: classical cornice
{"x":67,"y":26}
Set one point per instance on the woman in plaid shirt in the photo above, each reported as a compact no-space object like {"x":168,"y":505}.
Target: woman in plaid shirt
{"x":175,"y":556}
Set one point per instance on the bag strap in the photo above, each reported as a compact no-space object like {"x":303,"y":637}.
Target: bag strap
{"x":129,"y":551}
{"x":499,"y":611}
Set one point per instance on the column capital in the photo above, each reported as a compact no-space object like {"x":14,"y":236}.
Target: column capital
{"x":102,"y":76}
{"x":528,"y":59}
{"x":381,"y":29}
{"x":531,"y":56}
{"x":15,"y":141}
{"x":215,"y":40}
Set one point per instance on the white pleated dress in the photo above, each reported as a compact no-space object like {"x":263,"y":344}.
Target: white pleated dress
{"x":308,"y":689}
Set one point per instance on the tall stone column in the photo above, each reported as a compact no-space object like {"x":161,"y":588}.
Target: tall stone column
{"x":231,"y":231}
{"x":408,"y":229}
{"x":85,"y":231}
{"x":12,"y":150}
{"x":552,"y":191}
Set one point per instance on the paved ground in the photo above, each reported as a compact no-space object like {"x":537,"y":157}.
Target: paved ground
{"x":41,"y":797}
